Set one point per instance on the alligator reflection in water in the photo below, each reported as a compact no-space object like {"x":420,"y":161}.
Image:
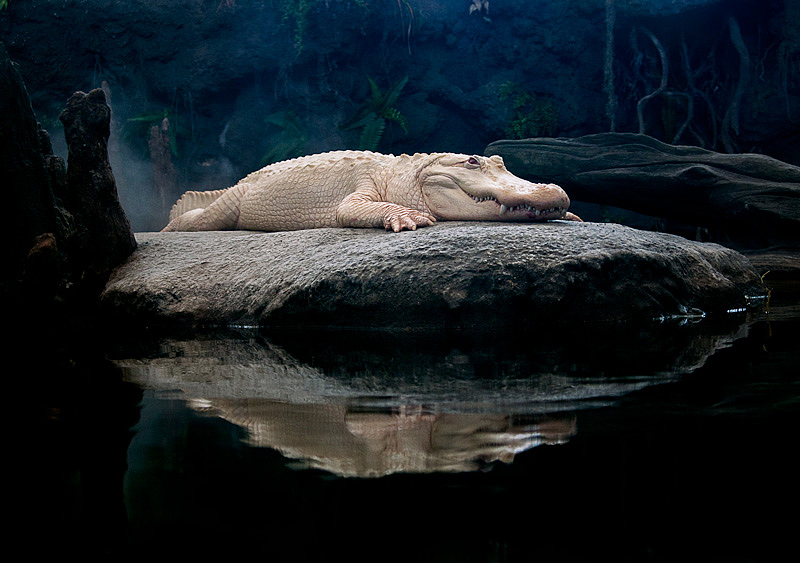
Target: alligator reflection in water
{"x":367,"y":404}
{"x":355,"y":442}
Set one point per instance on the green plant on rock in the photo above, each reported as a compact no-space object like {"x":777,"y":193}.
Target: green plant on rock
{"x":294,"y":13}
{"x":291,"y":140}
{"x":138,"y":127}
{"x":531,"y":115}
{"x":373,"y":114}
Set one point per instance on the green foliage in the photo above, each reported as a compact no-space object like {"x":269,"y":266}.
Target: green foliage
{"x":531,"y":115}
{"x":3,"y":4}
{"x":295,"y":14}
{"x":137,"y":128}
{"x":291,"y":140}
{"x":373,"y":114}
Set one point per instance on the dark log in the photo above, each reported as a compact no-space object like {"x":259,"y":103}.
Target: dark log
{"x":749,"y":196}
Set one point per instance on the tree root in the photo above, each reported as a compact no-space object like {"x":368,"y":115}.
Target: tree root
{"x":694,"y":91}
{"x":608,"y":67}
{"x":731,"y":119}
{"x":662,"y":53}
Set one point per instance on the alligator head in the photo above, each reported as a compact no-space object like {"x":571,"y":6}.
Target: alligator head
{"x":459,"y":187}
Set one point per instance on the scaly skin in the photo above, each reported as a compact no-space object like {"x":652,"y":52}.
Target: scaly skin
{"x":366,"y":189}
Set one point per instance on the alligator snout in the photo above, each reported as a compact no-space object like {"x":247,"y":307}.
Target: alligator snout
{"x":534,"y":201}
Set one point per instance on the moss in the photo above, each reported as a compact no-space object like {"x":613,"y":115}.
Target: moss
{"x":531,"y":115}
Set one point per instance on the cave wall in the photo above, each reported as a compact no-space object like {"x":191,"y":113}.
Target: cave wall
{"x":243,"y":81}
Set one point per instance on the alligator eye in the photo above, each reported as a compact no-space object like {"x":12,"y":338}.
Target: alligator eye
{"x":472,"y":161}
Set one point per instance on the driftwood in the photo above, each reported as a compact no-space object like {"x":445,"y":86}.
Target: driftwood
{"x":746,"y":194}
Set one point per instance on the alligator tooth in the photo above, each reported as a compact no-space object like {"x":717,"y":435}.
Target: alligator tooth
{"x":503,"y":209}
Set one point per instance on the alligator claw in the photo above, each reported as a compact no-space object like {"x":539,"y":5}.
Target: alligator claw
{"x":408,"y":219}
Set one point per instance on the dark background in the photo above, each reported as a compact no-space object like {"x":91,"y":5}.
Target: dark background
{"x":246,"y":82}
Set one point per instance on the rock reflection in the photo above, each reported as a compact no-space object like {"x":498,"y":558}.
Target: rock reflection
{"x":371,"y":404}
{"x":362,"y":442}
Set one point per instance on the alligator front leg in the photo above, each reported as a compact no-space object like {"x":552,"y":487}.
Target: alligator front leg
{"x":362,"y":210}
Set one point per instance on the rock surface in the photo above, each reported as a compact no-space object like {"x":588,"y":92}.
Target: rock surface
{"x":451,"y":275}
{"x":752,"y":198}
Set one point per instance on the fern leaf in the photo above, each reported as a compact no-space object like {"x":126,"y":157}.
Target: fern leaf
{"x":375,"y":93}
{"x":372,"y":133}
{"x":391,"y":96}
{"x":360,"y":119}
{"x":394,"y":115}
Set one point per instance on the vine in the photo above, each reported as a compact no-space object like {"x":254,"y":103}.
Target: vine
{"x":294,"y":14}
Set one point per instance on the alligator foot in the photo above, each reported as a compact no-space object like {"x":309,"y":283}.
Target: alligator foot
{"x":406,"y":218}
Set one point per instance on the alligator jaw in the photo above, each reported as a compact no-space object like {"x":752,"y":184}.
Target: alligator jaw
{"x":476,"y":188}
{"x":523,"y":211}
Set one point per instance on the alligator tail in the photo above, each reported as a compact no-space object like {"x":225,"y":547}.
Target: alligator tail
{"x":194,"y":200}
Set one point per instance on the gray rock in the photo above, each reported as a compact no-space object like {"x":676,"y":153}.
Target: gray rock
{"x":451,"y":275}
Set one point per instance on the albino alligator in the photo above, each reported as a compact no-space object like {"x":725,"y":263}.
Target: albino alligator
{"x":366,"y":189}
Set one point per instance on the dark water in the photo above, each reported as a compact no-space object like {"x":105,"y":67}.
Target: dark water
{"x":675,"y":442}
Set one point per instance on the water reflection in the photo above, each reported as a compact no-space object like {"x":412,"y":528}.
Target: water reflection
{"x":368,"y":404}
{"x":368,"y":442}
